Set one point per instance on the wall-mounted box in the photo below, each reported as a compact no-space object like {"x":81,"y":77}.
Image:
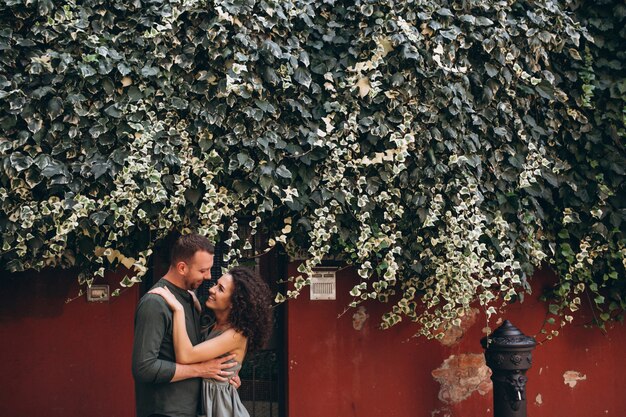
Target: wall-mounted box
{"x":324,"y":284}
{"x":98,"y":293}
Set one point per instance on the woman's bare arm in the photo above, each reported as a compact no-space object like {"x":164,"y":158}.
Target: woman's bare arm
{"x":230,"y":341}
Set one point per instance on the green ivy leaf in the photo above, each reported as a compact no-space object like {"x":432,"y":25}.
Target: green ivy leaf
{"x":283,"y":172}
{"x":20,"y":162}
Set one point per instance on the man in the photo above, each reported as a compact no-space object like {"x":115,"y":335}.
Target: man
{"x":163,"y":387}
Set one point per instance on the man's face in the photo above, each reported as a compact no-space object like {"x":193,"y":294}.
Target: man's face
{"x":197,"y":269}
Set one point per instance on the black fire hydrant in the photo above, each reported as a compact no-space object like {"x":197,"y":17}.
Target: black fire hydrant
{"x":508,"y":353}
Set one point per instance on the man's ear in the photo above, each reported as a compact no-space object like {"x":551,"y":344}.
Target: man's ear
{"x":181,"y":267}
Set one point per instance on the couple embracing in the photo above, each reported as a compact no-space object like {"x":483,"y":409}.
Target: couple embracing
{"x":178,"y":370}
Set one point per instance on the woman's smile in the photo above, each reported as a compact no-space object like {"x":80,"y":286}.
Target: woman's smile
{"x":220,"y":293}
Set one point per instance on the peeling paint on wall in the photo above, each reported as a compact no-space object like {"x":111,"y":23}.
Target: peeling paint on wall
{"x":440,"y":412}
{"x":538,"y":400}
{"x":454,"y":334}
{"x":462,"y":375}
{"x":571,"y":378}
{"x":359,"y":318}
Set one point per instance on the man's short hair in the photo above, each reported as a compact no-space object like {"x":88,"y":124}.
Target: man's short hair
{"x":187,"y":245}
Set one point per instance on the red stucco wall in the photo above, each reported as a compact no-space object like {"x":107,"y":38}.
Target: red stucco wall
{"x":63,"y":359}
{"x":336,"y":370}
{"x":73,"y":359}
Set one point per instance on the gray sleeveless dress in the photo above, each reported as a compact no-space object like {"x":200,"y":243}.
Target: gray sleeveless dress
{"x":221,"y":399}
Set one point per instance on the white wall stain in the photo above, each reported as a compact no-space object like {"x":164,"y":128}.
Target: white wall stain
{"x":571,"y":378}
{"x":359,"y":318}
{"x":538,"y":400}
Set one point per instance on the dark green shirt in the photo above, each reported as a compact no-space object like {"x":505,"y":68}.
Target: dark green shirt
{"x":154,"y":358}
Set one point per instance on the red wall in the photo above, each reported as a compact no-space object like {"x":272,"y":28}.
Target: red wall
{"x":335,"y":370}
{"x":64,"y":359}
{"x":73,"y":359}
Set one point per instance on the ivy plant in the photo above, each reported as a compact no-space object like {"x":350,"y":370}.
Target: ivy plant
{"x":445,"y":148}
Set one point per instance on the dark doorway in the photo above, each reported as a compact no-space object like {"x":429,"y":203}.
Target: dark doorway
{"x":263,"y":374}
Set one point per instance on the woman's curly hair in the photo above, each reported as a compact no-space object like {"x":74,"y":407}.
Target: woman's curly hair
{"x":251,"y":312}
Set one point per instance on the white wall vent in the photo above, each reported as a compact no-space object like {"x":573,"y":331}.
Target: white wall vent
{"x":324,"y":285}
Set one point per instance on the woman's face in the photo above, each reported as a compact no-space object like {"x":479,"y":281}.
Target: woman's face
{"x":220,"y":294}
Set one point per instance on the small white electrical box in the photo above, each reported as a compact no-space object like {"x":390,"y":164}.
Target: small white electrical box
{"x":324,"y":285}
{"x":98,"y":293}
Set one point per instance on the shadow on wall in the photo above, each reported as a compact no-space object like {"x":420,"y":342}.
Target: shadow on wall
{"x":44,"y":293}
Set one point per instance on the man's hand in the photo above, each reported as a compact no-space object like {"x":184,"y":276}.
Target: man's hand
{"x":215,"y":368}
{"x":235,"y":381}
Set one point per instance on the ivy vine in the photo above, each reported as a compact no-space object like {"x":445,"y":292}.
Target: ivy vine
{"x":445,"y":148}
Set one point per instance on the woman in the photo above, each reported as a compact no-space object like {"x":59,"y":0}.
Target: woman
{"x":241,"y":304}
